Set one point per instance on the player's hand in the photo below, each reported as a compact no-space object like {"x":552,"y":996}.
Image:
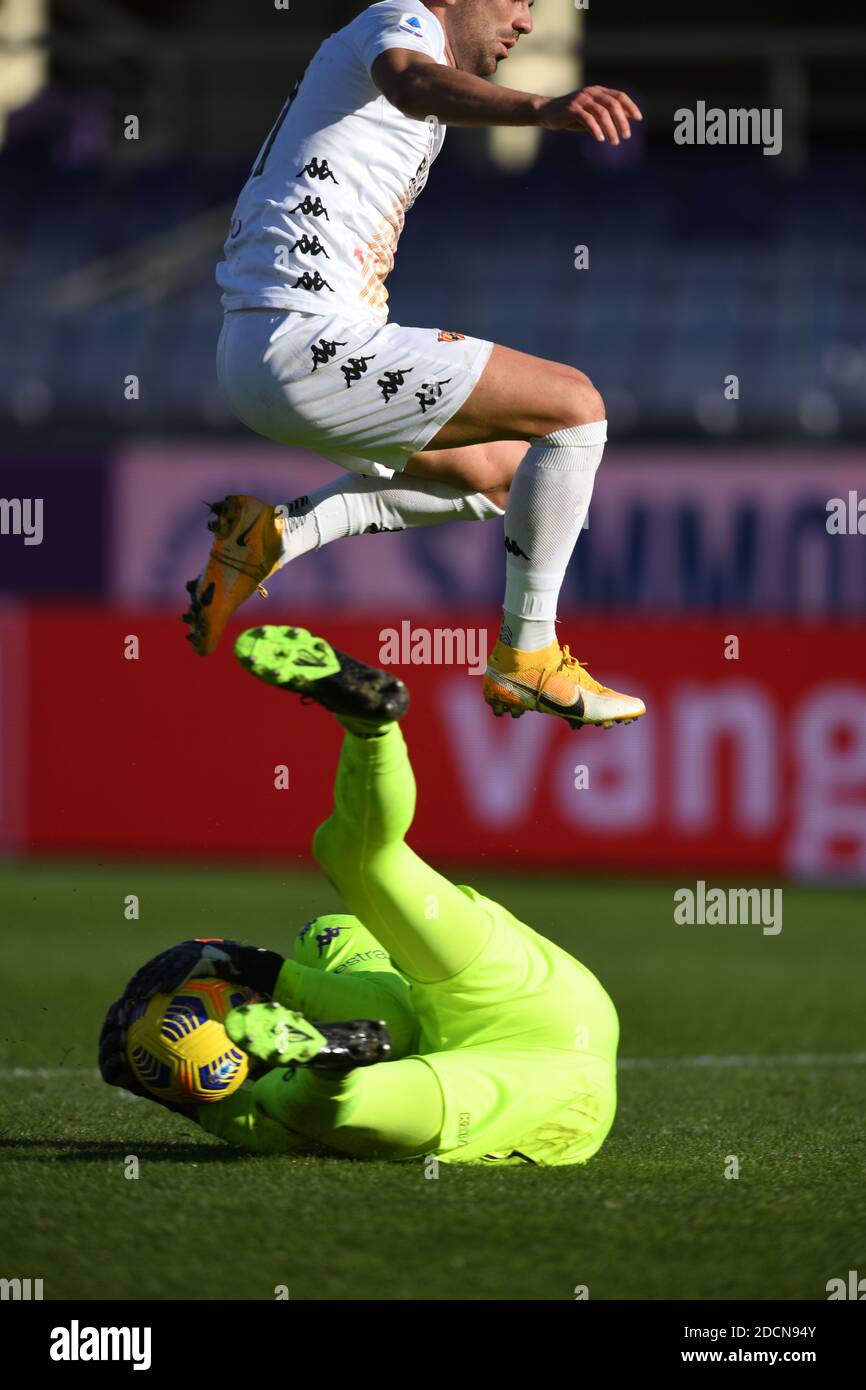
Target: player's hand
{"x":232,"y":961}
{"x":604,"y":112}
{"x":191,"y":960}
{"x":114,"y":1065}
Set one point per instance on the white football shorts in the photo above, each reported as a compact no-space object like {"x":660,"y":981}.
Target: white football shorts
{"x":363,"y":395}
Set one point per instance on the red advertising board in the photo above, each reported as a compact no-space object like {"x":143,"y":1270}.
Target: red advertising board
{"x":14,"y":770}
{"x":752,"y":754}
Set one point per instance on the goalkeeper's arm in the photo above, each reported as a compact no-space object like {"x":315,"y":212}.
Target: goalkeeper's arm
{"x":238,"y":1120}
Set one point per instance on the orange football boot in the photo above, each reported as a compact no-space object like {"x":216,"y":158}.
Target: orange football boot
{"x":246,"y":551}
{"x":552,"y":681}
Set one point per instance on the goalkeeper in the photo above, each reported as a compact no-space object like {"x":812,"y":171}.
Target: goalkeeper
{"x":502,"y":1045}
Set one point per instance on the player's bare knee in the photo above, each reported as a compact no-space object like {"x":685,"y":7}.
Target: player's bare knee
{"x":499,"y":495}
{"x":580,"y":402}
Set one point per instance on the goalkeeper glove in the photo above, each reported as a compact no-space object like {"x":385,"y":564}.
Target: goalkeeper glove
{"x":114,"y":1065}
{"x":253,"y":966}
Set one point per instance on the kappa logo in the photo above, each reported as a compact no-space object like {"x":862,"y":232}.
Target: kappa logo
{"x":446,"y":337}
{"x":430,"y":393}
{"x":514,"y":549}
{"x":325,"y":937}
{"x":312,"y":207}
{"x":324,"y":350}
{"x":411,"y":24}
{"x":354,"y":369}
{"x":317,"y":169}
{"x":392,"y":381}
{"x":311,"y":246}
{"x":312,"y":282}
{"x":299,"y":507}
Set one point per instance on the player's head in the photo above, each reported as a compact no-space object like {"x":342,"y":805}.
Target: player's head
{"x":481,"y":33}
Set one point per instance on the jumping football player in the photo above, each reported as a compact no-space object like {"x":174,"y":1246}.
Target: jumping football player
{"x":500,"y":1046}
{"x":435,"y":426}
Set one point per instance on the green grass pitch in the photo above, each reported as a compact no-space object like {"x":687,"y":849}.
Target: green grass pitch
{"x":652,"y":1216}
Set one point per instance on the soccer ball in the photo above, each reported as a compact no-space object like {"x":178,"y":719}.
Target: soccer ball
{"x":177,"y":1045}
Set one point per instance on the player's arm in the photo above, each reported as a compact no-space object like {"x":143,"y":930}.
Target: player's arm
{"x":239,"y":1121}
{"x":419,"y":87}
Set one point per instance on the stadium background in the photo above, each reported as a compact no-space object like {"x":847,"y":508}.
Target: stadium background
{"x":137,"y":798}
{"x":709,"y":518}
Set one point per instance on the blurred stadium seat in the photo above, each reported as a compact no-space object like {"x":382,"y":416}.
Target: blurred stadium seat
{"x":737,"y":281}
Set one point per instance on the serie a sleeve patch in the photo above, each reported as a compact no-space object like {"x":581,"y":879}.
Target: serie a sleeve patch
{"x":411,"y":24}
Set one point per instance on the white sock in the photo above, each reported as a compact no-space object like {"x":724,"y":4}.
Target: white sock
{"x":547,"y":506}
{"x":354,"y":505}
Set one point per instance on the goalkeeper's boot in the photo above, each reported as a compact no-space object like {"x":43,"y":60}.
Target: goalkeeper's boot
{"x":281,"y":1037}
{"x":248,"y":547}
{"x":362,"y":697}
{"x":552,"y":681}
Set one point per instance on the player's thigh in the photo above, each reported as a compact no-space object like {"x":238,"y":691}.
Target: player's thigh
{"x":551,"y":1105}
{"x":488,"y":468}
{"x":520,"y":397}
{"x":429,"y":927}
{"x":394,"y":1110}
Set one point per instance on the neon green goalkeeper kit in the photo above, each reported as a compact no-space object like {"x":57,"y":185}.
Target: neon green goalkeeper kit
{"x":504,"y":1044}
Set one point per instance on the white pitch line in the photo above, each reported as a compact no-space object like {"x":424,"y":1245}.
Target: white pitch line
{"x":797,"y":1059}
{"x":47,"y":1073}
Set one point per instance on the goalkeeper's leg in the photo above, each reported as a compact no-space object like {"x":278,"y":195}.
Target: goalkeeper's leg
{"x":430,"y":929}
{"x":394,"y":1110}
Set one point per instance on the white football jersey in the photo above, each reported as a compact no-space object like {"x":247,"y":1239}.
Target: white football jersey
{"x":317,"y":223}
